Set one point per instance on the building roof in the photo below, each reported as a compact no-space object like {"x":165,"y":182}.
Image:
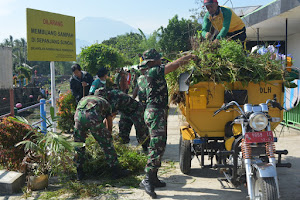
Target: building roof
{"x":271,"y":20}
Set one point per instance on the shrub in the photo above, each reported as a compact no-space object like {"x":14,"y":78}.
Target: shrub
{"x":96,"y":165}
{"x":12,"y":132}
{"x":66,"y":110}
{"x":100,"y":55}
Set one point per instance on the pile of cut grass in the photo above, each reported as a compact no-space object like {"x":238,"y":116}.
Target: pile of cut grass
{"x":226,"y":62}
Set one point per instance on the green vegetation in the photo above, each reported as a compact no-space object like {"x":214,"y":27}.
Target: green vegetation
{"x":100,"y":55}
{"x":176,"y":36}
{"x":12,"y":132}
{"x":95,"y":165}
{"x":66,"y":109}
{"x":25,"y":72}
{"x":45,"y":153}
{"x":226,"y":62}
{"x":127,"y":44}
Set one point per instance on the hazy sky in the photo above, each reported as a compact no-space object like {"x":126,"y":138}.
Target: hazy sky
{"x":146,"y":15}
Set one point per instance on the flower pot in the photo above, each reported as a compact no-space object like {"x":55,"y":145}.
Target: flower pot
{"x":37,"y":182}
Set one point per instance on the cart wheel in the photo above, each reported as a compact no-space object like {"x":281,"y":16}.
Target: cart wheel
{"x":185,"y":155}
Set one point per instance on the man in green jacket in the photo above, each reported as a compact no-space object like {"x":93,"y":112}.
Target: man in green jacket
{"x":224,"y":20}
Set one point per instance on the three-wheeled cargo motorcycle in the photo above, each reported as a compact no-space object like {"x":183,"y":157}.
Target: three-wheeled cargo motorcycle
{"x":234,"y":125}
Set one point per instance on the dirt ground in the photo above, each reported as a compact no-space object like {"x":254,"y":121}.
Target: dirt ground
{"x":202,"y":184}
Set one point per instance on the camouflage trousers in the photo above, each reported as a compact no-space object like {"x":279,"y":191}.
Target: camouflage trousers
{"x":84,"y":121}
{"x":126,"y":122}
{"x":156,"y":120}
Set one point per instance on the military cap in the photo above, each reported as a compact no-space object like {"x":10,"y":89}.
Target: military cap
{"x":150,"y":55}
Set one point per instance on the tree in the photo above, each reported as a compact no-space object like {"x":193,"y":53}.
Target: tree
{"x":100,"y":55}
{"x":19,"y":50}
{"x":63,"y":68}
{"x":25,"y":71}
{"x":150,"y":42}
{"x":176,"y":36}
{"x":127,"y":44}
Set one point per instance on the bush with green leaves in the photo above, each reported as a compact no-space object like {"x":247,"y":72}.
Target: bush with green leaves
{"x":12,"y":132}
{"x":94,"y":57}
{"x":66,"y":109}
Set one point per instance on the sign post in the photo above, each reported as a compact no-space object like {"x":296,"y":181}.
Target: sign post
{"x":50,"y":37}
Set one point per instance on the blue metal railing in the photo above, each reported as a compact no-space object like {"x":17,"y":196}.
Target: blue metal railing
{"x":43,"y":116}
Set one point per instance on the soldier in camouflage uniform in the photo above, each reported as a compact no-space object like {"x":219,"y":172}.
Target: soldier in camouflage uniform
{"x":131,"y":112}
{"x":156,"y":113}
{"x":90,"y":113}
{"x":140,"y":89}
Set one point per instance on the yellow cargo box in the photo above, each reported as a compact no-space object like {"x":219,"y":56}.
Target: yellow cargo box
{"x":204,"y":98}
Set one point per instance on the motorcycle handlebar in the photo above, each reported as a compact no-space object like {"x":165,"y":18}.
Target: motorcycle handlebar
{"x":274,"y":104}
{"x":226,"y":106}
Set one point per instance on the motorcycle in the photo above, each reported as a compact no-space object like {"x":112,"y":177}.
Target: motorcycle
{"x":251,"y":160}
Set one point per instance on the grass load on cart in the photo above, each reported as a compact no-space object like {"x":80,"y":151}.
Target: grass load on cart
{"x":227,"y":62}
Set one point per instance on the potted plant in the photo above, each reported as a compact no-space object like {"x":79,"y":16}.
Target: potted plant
{"x":43,"y":152}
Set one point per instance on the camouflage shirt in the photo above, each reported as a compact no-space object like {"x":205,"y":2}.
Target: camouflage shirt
{"x":142,"y":84}
{"x":122,"y":102}
{"x":156,"y":90}
{"x":136,"y":75}
{"x":95,"y":104}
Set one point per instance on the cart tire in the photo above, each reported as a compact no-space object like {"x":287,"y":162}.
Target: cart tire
{"x":265,"y":188}
{"x":185,"y":155}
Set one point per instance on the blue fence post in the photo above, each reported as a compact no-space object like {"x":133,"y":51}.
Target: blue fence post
{"x":43,"y":115}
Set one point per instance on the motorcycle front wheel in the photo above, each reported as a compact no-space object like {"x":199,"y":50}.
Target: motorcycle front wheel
{"x":265,"y":188}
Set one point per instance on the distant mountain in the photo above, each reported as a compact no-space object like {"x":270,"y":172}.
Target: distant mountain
{"x":97,"y":29}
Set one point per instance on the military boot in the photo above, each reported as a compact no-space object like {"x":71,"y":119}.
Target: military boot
{"x":156,"y":181}
{"x":147,"y":183}
{"x":117,"y":172}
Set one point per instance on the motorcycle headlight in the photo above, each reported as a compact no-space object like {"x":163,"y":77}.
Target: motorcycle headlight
{"x":258,"y":121}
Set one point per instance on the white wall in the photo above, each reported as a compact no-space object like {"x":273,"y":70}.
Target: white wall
{"x":294,"y":48}
{"x":6,"y":76}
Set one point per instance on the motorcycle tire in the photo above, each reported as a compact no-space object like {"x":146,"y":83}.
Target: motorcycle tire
{"x":185,"y":155}
{"x":265,"y":188}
